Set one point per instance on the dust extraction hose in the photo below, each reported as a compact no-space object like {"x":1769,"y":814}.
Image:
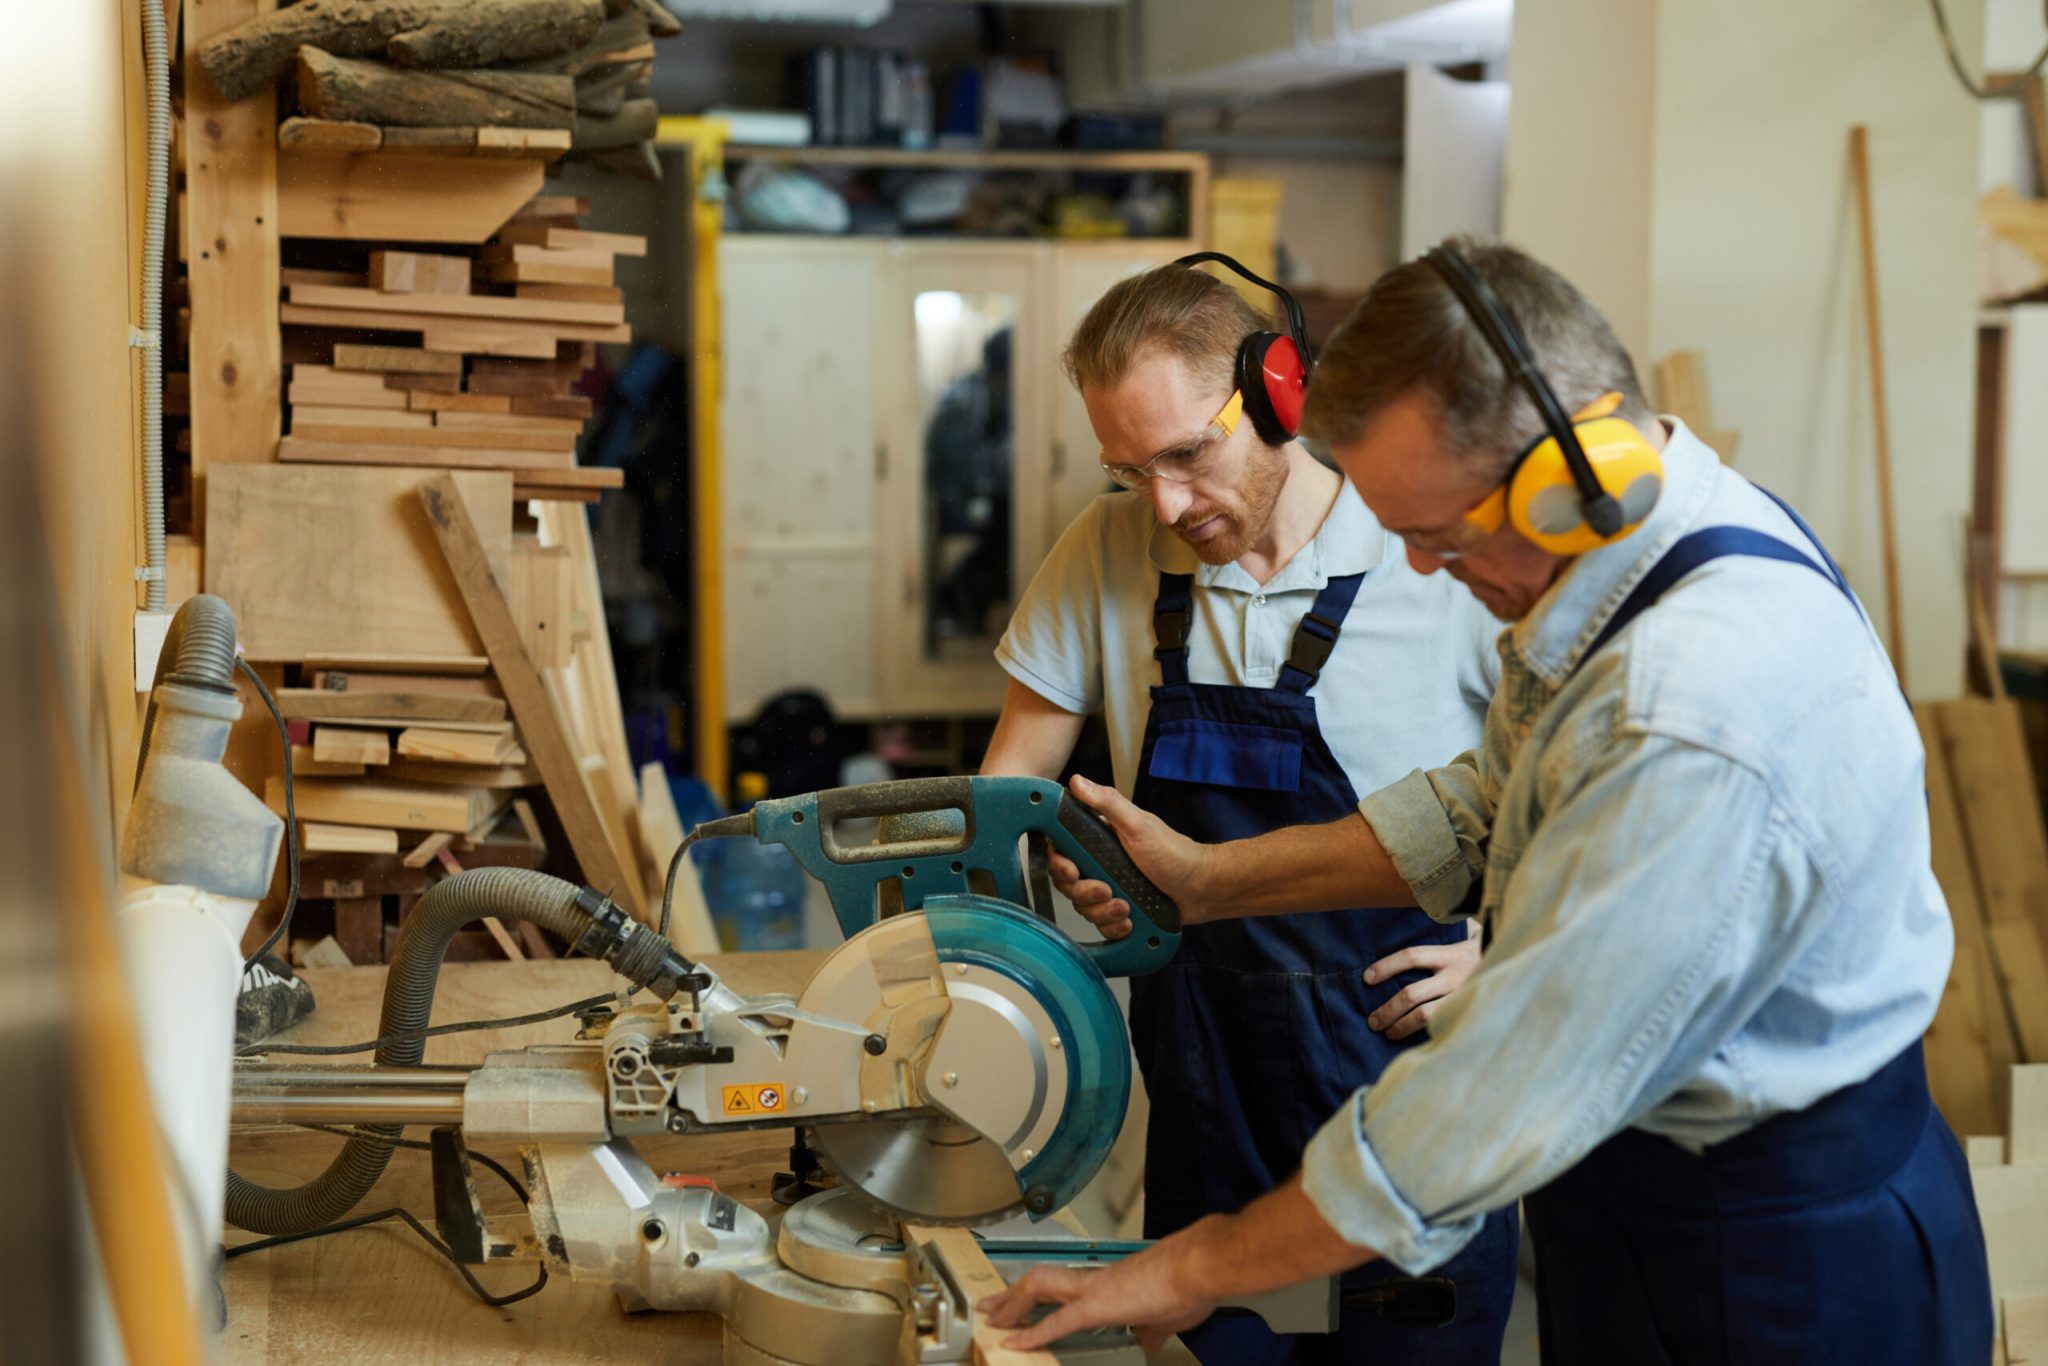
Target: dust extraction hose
{"x":198,"y":652}
{"x":590,"y":924}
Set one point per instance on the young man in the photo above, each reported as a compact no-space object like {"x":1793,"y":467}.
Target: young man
{"x":1697,"y":836}
{"x":1262,"y":653}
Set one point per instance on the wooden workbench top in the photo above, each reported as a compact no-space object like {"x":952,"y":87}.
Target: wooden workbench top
{"x":379,"y":1294}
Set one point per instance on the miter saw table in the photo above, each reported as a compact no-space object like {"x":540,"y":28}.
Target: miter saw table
{"x":958,"y":1061}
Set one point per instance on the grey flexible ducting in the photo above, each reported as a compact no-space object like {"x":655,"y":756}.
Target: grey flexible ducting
{"x":199,"y":652}
{"x":508,"y":893}
{"x":156,"y":60}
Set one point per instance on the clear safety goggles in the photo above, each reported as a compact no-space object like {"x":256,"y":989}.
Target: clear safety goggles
{"x":1186,"y":462}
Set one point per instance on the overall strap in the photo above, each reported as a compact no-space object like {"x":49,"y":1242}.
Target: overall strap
{"x":1317,"y":634}
{"x":1688,"y":554}
{"x":1834,"y":570}
{"x":1173,"y":615}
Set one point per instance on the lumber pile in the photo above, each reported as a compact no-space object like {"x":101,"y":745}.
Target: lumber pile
{"x":579,"y":69}
{"x":1991,"y":857}
{"x":456,"y":360}
{"x":2010,"y":1175}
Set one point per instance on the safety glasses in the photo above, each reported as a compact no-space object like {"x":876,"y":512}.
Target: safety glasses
{"x":1187,"y":462}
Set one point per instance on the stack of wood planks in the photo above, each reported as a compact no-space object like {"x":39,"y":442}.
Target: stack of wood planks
{"x":1990,"y":855}
{"x":2010,"y":1175}
{"x":440,"y":358}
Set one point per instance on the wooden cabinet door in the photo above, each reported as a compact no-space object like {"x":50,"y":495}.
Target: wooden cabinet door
{"x":802,"y":326}
{"x":1081,"y":274}
{"x":966,"y":368}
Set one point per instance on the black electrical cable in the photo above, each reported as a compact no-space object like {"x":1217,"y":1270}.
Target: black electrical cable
{"x":1984,"y":91}
{"x":406,"y":1035}
{"x":668,"y":888}
{"x":350,"y":1131}
{"x":359,"y":1221}
{"x":291,"y":821}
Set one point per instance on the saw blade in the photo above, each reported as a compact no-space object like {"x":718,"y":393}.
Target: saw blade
{"x":926,"y":1169}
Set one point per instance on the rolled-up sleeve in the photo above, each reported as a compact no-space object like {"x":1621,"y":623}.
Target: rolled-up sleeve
{"x":1641,"y":926}
{"x":1433,"y":825}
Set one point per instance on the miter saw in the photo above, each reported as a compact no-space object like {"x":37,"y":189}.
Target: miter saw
{"x":958,"y":1061}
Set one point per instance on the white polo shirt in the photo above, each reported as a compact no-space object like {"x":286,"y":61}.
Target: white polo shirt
{"x":1407,"y":686}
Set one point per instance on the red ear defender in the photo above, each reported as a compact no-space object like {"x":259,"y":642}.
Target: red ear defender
{"x":1286,"y":382}
{"x":1274,"y":382}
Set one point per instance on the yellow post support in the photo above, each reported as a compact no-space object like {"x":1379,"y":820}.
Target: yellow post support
{"x":703,"y":141}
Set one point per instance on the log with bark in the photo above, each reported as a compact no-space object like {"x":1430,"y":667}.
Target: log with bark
{"x":635,"y":122}
{"x":375,"y":92}
{"x":424,"y":33}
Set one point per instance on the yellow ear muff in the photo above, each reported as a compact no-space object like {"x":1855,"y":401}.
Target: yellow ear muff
{"x":1543,"y":500}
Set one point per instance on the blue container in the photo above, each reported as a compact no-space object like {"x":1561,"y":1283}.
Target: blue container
{"x":756,"y":890}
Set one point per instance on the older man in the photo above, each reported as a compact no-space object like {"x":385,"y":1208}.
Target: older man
{"x":1262,"y":652}
{"x":1696,"y":834}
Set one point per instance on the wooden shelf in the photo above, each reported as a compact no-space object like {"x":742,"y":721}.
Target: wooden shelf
{"x":1181,"y":163}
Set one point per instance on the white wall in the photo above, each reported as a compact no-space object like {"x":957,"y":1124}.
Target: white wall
{"x":1453,"y":136}
{"x":1728,"y":226}
{"x":1575,"y":183}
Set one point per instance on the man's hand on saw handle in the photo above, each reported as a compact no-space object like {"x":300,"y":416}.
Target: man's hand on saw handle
{"x":1173,"y":861}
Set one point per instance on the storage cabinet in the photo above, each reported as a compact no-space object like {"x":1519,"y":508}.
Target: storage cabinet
{"x":900,"y":449}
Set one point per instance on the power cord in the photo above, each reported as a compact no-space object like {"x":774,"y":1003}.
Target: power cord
{"x":291,"y":820}
{"x":342,"y":1226}
{"x":1985,"y":90}
{"x":429,"y":1032}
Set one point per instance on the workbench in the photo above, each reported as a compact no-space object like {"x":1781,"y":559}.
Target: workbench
{"x":379,"y":1294}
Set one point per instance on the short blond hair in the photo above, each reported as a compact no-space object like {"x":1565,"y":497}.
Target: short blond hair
{"x":1186,"y":312}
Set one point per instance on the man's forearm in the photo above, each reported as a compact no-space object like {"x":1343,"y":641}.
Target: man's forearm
{"x":1331,"y":867}
{"x":1279,"y":1239}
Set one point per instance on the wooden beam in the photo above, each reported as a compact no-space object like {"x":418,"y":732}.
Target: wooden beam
{"x":602,"y":865}
{"x":494,"y":306}
{"x":400,"y":198}
{"x":425,"y":851}
{"x":346,"y":745}
{"x":459,"y":746}
{"x":1873,"y":328}
{"x":545,"y":465}
{"x":1971,"y":1042}
{"x":399,"y":806}
{"x":978,"y":1279}
{"x":231,"y":207}
{"x":318,"y":838}
{"x":330,"y":704}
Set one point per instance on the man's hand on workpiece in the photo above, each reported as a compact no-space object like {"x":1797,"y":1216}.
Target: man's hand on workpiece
{"x":1412,"y":1007}
{"x":1149,"y":1293}
{"x":1170,"y":859}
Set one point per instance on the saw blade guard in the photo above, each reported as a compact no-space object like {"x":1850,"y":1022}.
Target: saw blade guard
{"x":967,"y":842}
{"x":995,"y":1140}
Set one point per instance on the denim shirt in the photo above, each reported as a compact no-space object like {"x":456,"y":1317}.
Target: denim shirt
{"x":1702,"y":855}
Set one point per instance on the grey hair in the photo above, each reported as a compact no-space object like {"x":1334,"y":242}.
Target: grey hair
{"x":1411,"y":334}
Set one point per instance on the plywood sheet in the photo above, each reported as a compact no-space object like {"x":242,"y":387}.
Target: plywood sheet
{"x":325,"y":560}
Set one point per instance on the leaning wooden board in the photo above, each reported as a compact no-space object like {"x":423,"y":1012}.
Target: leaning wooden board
{"x":482,"y":587}
{"x":325,"y":560}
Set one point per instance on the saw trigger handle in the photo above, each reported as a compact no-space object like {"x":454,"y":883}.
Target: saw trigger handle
{"x":946,"y":836}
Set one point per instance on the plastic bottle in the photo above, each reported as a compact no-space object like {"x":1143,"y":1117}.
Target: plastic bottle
{"x":759,"y":888}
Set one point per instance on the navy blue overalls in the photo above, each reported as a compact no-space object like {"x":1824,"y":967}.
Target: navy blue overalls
{"x":1845,"y":1232}
{"x":1256,"y":1033}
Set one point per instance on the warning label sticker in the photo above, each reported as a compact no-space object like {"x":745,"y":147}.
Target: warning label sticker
{"x":752,"y":1100}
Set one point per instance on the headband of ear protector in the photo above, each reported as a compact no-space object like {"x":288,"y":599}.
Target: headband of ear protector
{"x":1559,"y":493}
{"x":1273,"y":369}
